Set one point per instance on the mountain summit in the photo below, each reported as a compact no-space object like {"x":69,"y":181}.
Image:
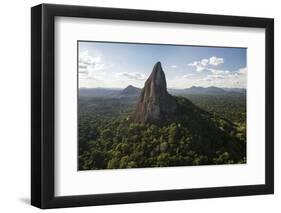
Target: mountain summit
{"x":155,"y":104}
{"x":130,"y":91}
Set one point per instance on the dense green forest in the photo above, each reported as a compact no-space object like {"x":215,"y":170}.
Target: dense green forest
{"x":109,"y":140}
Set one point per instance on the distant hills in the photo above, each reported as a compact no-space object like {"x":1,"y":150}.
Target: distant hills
{"x":129,"y":91}
{"x":238,"y":90}
{"x":200,"y":90}
{"x":132,"y":91}
{"x":212,"y":90}
{"x":99,"y":92}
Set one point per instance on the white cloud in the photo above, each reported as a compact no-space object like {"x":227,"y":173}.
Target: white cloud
{"x":200,"y":68}
{"x":213,"y":77}
{"x":86,"y":59}
{"x":242,"y":71}
{"x":99,"y":66}
{"x":216,"y":61}
{"x":174,"y":66}
{"x":193,"y":64}
{"x":188,"y":75}
{"x":203,"y":64}
{"x":88,"y":63}
{"x":225,"y":78}
{"x":200,"y":65}
{"x":132,"y":75}
{"x":216,"y":72}
{"x":113,"y":79}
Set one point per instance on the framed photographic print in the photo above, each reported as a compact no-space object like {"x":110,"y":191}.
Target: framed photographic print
{"x":139,"y":106}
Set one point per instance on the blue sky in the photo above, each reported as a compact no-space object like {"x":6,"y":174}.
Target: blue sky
{"x":117,"y":65}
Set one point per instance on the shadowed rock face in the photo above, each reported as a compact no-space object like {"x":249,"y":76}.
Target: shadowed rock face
{"x":155,"y":104}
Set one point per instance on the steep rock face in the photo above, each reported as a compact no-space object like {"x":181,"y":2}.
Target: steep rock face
{"x":155,"y":104}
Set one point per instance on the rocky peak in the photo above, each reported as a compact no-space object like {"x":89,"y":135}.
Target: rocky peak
{"x":130,"y":87}
{"x":157,"y":77}
{"x":130,"y":91}
{"x":155,"y":104}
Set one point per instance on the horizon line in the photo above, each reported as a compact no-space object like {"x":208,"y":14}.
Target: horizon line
{"x":167,"y":87}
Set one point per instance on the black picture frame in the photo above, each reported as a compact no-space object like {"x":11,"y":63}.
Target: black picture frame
{"x":43,"y":101}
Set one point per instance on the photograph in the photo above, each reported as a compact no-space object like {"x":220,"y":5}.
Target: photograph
{"x":160,"y":105}
{"x":147,"y":103}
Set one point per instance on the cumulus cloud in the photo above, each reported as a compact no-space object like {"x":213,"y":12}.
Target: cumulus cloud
{"x":215,"y":61}
{"x":188,"y":75}
{"x":225,"y":78}
{"x":203,"y":64}
{"x":88,"y":63}
{"x":217,"y":72}
{"x":242,"y":71}
{"x":212,"y":78}
{"x":174,"y":66}
{"x":200,"y":65}
{"x":132,"y":75}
